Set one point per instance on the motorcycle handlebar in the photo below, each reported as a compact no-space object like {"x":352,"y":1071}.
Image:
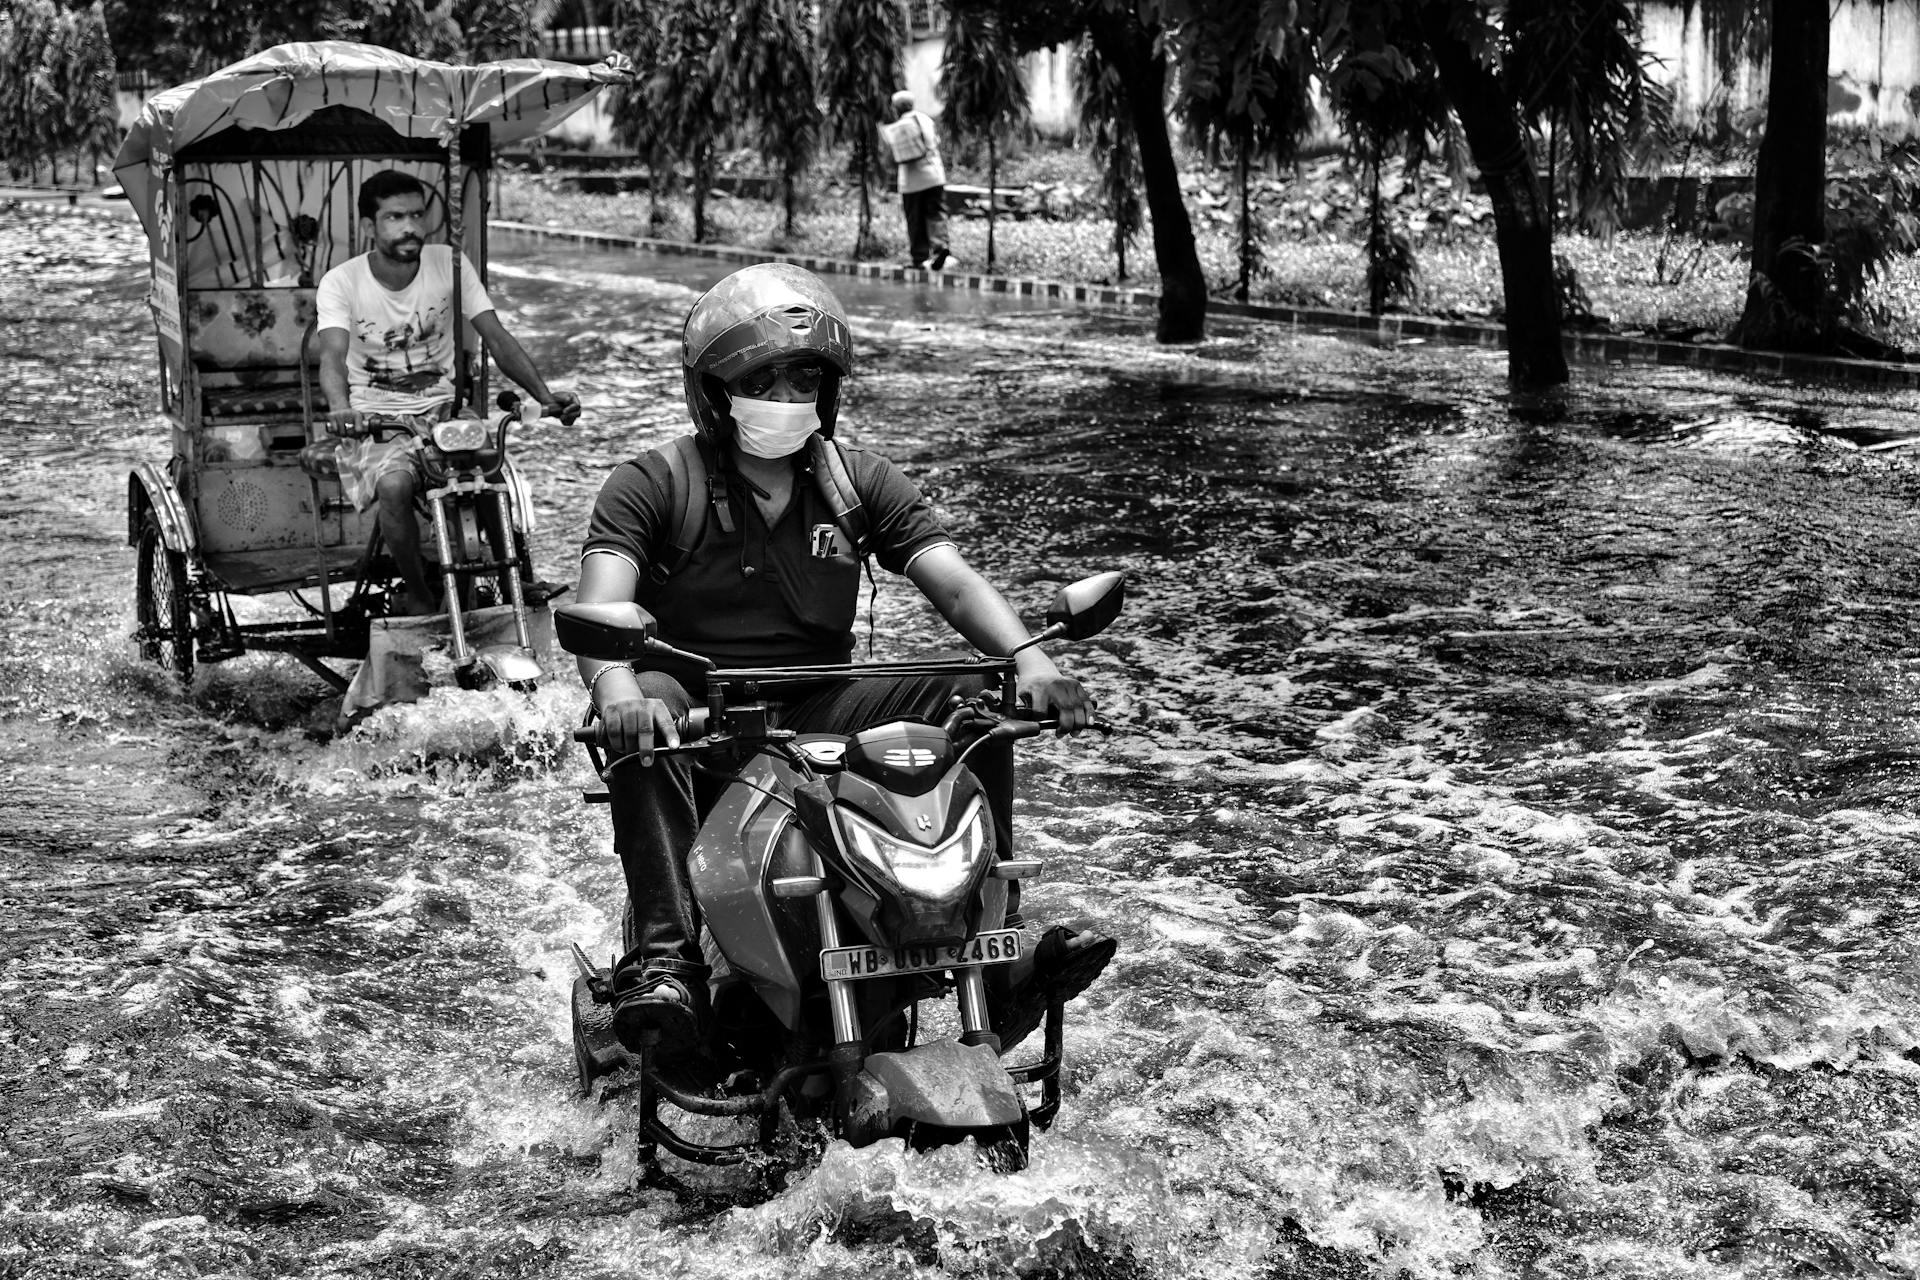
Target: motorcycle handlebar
{"x":509,"y":402}
{"x":691,"y":728}
{"x":595,"y":734}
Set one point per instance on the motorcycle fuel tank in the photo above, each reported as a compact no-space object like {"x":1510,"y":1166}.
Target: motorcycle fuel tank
{"x":747,"y":833}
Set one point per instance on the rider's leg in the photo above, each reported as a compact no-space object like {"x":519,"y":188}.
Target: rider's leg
{"x":660,"y":983}
{"x":913,"y":205}
{"x":400,"y":528}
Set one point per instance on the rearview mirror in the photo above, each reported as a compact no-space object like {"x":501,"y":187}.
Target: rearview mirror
{"x":609,"y":632}
{"x":1087,"y":607}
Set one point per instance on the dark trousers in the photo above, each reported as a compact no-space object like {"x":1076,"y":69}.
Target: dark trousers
{"x":926,"y":223}
{"x":657,"y":808}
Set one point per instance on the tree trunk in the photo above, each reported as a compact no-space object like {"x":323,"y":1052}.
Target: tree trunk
{"x":993,"y":183}
{"x":1553,"y":173}
{"x":702,"y":180}
{"x":1127,"y":46}
{"x":1376,"y":240}
{"x":1245,"y":288}
{"x":860,"y":237}
{"x":1786,"y":292}
{"x":1521,"y":230}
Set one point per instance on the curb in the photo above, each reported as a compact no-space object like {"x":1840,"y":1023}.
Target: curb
{"x":1590,"y":348}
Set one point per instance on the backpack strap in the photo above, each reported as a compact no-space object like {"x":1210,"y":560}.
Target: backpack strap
{"x":835,"y":485}
{"x":692,"y":490}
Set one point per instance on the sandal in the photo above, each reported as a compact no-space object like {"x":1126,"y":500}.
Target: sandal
{"x":667,"y":1006}
{"x":1065,"y":963}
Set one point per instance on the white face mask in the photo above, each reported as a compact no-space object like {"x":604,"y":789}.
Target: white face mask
{"x":773,"y":428}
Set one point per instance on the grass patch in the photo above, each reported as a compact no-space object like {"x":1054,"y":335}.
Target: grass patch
{"x":1312,"y":254}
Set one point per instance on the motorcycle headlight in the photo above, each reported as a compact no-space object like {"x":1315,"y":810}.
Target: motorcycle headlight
{"x":941,"y":872}
{"x":457,"y":435}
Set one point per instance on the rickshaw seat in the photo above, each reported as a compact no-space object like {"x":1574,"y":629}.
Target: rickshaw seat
{"x":248,"y":350}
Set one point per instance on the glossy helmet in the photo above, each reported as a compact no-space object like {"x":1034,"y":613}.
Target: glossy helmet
{"x":768,"y":312}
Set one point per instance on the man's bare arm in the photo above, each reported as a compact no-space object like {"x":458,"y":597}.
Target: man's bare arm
{"x":512,"y":357}
{"x":333,"y":369}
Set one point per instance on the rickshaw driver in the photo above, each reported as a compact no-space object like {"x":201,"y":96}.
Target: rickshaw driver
{"x":387,"y":347}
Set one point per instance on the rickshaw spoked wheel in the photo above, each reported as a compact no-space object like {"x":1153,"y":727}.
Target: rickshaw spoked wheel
{"x":160,"y":603}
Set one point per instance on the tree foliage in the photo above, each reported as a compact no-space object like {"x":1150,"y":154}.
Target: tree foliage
{"x":181,"y":39}
{"x":860,"y":67}
{"x":985,"y":96}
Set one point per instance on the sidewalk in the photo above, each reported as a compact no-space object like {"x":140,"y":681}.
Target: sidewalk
{"x":1591,"y":348}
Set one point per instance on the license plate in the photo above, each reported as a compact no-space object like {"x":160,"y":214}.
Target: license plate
{"x":998,"y":946}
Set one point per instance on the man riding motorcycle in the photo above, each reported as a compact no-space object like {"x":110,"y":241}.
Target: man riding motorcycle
{"x":771,"y":579}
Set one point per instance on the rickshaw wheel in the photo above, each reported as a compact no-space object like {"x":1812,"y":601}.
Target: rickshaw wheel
{"x":160,"y":603}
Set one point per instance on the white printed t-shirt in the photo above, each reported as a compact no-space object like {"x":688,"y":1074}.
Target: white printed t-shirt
{"x":399,"y":343}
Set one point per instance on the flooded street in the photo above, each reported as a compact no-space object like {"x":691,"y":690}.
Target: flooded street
{"x":1513,"y":836}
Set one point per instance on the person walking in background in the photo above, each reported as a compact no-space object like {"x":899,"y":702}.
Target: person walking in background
{"x":923,"y":181}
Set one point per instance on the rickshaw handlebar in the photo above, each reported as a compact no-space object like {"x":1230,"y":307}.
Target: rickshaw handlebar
{"x":382,"y":426}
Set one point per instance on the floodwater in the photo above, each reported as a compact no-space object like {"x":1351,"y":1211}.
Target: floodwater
{"x":1511,"y":836}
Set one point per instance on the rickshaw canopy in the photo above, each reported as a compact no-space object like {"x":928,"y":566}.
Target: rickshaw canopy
{"x":278,"y":88}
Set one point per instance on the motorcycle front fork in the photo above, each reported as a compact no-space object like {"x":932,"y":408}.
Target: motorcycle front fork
{"x":508,"y":565}
{"x":849,"y":1050}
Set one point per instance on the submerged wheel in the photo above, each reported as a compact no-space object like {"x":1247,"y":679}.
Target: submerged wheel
{"x":1007,"y":1154}
{"x":160,"y":603}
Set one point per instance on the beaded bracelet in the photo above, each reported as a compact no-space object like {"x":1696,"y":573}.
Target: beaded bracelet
{"x":593,"y":684}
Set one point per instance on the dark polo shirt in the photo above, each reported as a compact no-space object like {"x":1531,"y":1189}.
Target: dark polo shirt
{"x":759,"y":596}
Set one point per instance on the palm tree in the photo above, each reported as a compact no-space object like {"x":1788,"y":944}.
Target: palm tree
{"x":771,"y":65}
{"x":860,"y":46}
{"x":27,"y":35}
{"x":1578,"y":64}
{"x":1244,"y":88}
{"x":1102,"y":103}
{"x":676,"y":111}
{"x":89,"y":122}
{"x":1388,"y":103}
{"x":981,"y":85}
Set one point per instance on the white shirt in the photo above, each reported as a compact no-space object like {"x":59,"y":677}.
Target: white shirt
{"x":399,"y":342}
{"x":926,"y":172}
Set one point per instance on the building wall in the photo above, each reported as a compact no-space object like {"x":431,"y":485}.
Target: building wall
{"x":1048,"y":75}
{"x":1714,"y":55}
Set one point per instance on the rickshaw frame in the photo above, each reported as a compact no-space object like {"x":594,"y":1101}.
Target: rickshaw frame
{"x":244,"y":182}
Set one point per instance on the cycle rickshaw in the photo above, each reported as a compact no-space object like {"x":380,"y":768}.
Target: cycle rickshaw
{"x":245,"y":182}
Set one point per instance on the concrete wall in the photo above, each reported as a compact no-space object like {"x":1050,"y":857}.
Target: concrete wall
{"x":1714,"y":55}
{"x":1048,"y":73}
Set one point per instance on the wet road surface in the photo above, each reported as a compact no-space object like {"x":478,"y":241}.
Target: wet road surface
{"x":1512,"y":839}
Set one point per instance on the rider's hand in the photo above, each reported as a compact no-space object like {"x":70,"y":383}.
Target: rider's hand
{"x":632,"y":722}
{"x":346,"y":422}
{"x":1050,"y":693}
{"x":565,"y":406}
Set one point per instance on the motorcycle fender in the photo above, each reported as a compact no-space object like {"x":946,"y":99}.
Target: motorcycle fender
{"x":510,"y":663}
{"x":946,"y":1083}
{"x":148,"y":489}
{"x":519,"y":497}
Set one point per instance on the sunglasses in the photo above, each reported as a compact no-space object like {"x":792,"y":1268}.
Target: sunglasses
{"x":803,"y":378}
